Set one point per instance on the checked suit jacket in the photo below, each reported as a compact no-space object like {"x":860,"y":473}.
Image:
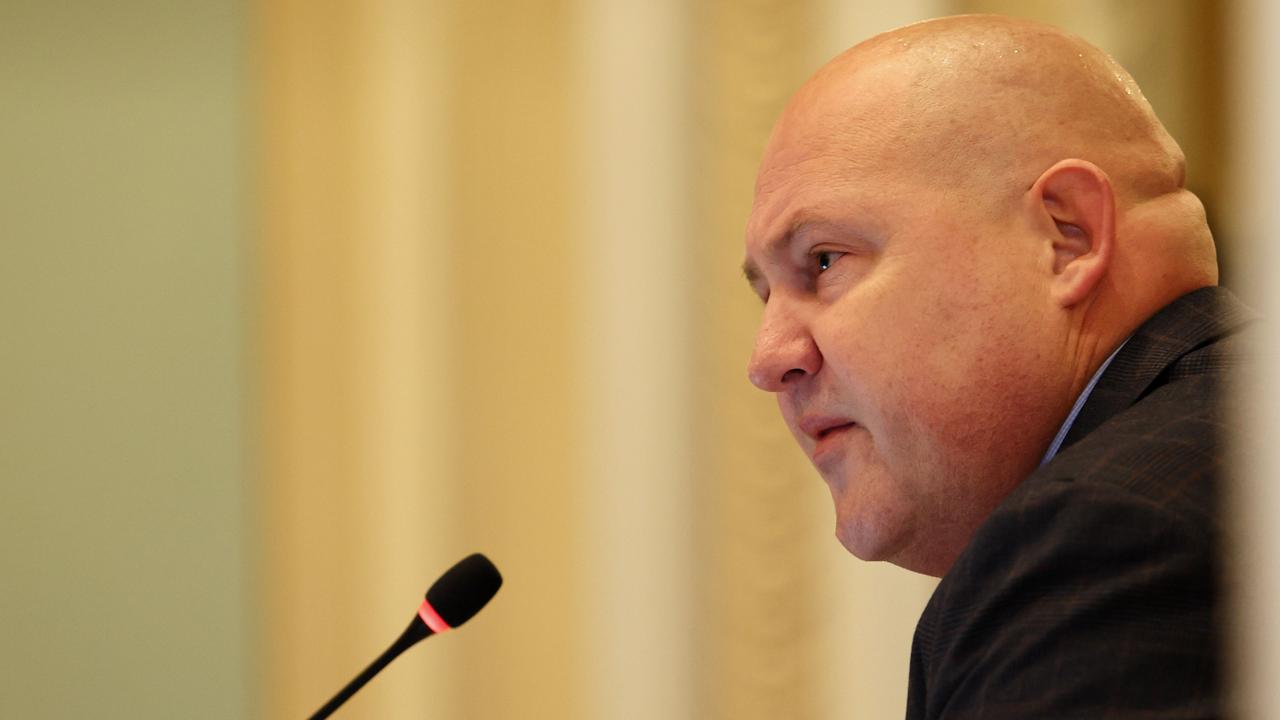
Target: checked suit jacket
{"x":1094,"y":590}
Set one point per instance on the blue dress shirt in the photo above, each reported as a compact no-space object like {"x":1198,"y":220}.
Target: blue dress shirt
{"x":1075,"y":409}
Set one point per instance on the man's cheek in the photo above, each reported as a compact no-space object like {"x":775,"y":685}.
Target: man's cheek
{"x":786,"y":409}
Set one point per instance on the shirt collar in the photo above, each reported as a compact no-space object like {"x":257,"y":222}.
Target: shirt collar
{"x":1075,"y":409}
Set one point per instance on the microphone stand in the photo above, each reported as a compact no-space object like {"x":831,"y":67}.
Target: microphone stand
{"x":416,"y":632}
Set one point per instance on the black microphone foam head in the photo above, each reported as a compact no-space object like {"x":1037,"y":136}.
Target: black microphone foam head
{"x":464,"y":589}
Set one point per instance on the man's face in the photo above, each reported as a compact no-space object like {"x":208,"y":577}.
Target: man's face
{"x":907,"y":334}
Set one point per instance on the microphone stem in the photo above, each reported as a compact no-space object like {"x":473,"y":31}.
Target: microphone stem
{"x":416,"y":631}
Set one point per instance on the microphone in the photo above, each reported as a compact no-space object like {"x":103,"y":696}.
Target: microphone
{"x":452,"y":600}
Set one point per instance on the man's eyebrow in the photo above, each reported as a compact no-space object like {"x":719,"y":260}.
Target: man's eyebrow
{"x":751,"y":271}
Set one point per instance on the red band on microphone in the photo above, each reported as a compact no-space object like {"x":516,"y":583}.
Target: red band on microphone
{"x":432,"y":618}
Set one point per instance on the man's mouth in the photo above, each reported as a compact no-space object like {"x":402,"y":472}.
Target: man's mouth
{"x":827,"y":434}
{"x":834,"y":429}
{"x":829,"y":444}
{"x":820,"y":427}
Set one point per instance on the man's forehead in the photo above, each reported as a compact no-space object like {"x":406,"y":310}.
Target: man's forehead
{"x":809,"y":145}
{"x":834,"y":121}
{"x":804,"y":173}
{"x":835,"y":132}
{"x":772,"y":222}
{"x":779,"y":188}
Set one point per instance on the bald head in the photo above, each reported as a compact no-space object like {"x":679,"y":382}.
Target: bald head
{"x":955,"y":223}
{"x":981,"y":99}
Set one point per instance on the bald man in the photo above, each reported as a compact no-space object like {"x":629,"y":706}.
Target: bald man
{"x":991,"y":320}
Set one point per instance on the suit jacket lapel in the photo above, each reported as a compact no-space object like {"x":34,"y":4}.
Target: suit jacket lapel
{"x":1191,"y":321}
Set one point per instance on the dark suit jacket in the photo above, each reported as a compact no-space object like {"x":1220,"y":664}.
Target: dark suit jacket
{"x":1093,"y":590}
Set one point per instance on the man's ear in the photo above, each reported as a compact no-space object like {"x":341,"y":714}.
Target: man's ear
{"x":1074,"y":197}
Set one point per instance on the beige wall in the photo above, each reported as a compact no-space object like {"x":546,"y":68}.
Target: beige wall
{"x":123,"y":505}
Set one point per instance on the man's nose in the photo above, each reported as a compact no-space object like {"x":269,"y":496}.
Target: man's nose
{"x":784,"y":353}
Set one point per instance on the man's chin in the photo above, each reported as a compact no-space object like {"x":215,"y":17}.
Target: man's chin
{"x":870,"y":547}
{"x":881,"y":536}
{"x":869,"y":544}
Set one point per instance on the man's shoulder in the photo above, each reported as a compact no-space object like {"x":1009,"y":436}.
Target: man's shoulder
{"x":1099,"y":568}
{"x":1144,"y":482}
{"x":1092,"y":588}
{"x":1164,"y":447}
{"x":1082,"y":597}
{"x":1165,"y":454}
{"x":1143,"y":485}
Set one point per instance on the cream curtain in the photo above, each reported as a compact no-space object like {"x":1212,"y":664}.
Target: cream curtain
{"x":1254,"y":178}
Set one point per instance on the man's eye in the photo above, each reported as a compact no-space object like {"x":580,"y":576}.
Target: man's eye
{"x":824,"y":258}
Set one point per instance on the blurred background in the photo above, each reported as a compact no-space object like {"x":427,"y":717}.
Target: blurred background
{"x":302,"y":301}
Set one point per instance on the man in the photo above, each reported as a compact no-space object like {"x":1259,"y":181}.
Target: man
{"x":990,"y":319}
